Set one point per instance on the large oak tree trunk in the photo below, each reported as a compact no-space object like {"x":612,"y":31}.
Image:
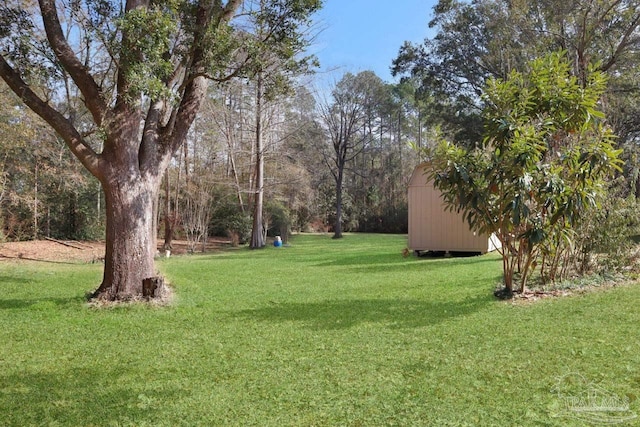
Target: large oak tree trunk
{"x":130,"y":238}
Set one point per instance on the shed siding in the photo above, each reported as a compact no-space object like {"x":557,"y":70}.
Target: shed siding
{"x":431,"y":227}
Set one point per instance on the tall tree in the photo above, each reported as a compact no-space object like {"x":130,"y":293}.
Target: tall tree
{"x":275,"y":67}
{"x":344,"y":120}
{"x":142,"y":88}
{"x":298,"y":168}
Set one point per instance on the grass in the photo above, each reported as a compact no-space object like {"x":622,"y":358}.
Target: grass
{"x":321,"y":333}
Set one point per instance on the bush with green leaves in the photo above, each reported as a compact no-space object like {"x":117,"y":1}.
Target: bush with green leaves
{"x":606,"y":239}
{"x":279,"y":219}
{"x":546,"y":154}
{"x":227,"y":219}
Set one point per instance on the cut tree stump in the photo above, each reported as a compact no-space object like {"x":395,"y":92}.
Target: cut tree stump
{"x":152,"y":286}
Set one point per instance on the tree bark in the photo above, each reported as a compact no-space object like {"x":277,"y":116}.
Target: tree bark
{"x":257,"y":232}
{"x":35,"y":202}
{"x":168,"y":221}
{"x":152,"y":287}
{"x":337,"y":229}
{"x":236,"y":178}
{"x":130,"y":238}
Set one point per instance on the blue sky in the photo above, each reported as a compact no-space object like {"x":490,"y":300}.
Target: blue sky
{"x":358,"y":35}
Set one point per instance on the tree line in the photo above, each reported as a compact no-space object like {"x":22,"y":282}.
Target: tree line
{"x":211,"y":183}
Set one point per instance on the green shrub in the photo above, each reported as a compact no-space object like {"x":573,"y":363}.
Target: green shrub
{"x":279,"y":219}
{"x":228,"y":220}
{"x":606,"y":237}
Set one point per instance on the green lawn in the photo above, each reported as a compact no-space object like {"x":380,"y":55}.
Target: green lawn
{"x":321,"y":333}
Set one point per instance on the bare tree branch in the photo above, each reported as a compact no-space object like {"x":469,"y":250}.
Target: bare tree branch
{"x":63,"y":126}
{"x":93,"y":97}
{"x":623,"y":45}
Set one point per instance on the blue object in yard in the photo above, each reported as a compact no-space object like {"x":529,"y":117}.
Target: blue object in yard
{"x":277,"y":242}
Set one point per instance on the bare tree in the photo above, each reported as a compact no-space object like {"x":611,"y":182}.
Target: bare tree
{"x":197,"y":213}
{"x":344,"y":122}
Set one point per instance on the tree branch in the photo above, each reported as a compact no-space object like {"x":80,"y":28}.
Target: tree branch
{"x":196,"y":82}
{"x":229,"y":10}
{"x":92,"y":94}
{"x":62,"y":126}
{"x":622,"y":45}
{"x":147,"y":153}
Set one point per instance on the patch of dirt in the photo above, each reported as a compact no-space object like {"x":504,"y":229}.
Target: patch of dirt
{"x":47,"y":250}
{"x":70,"y":251}
{"x":532,"y":296}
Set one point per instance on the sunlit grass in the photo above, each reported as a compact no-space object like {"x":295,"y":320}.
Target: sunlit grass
{"x":323,"y":333}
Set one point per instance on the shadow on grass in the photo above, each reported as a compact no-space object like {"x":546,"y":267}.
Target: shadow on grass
{"x":365,"y":259}
{"x":40,"y":303}
{"x":392,"y":313}
{"x":78,"y":397}
{"x":391,"y":262}
{"x":4,"y":279}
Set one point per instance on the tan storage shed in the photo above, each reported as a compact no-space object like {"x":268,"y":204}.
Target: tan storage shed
{"x":432,"y":228}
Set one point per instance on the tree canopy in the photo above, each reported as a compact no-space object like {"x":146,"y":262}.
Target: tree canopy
{"x":483,"y":39}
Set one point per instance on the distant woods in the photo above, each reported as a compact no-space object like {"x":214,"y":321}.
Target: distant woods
{"x":210,"y":186}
